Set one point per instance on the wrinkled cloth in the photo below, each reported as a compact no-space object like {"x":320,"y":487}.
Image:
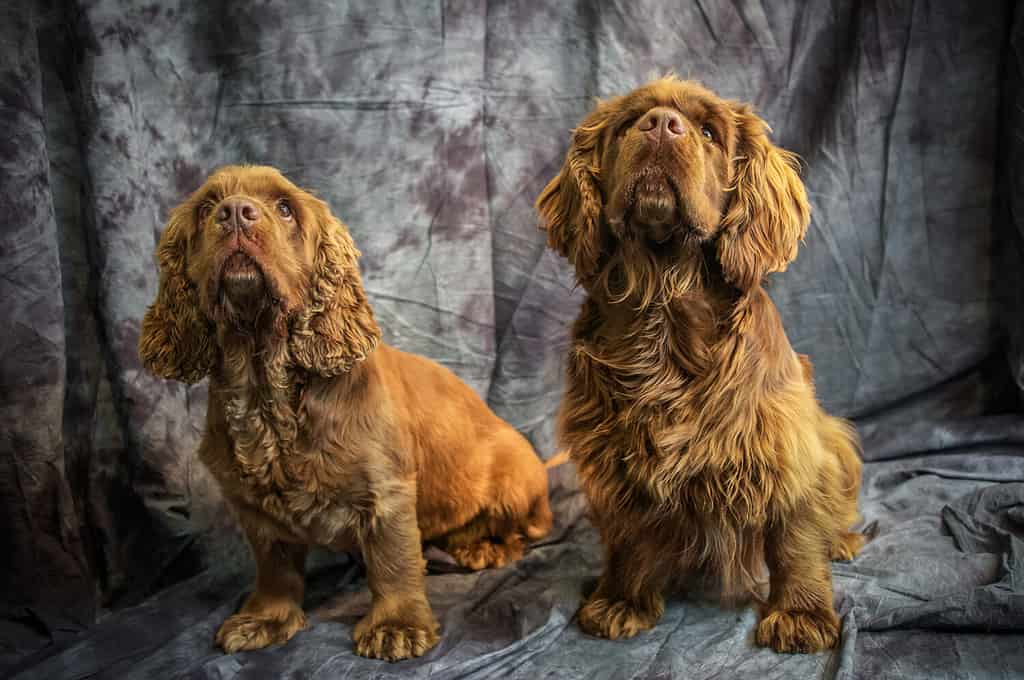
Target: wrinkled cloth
{"x":430,"y":128}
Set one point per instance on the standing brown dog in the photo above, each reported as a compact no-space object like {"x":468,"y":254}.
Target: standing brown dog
{"x":318,"y":434}
{"x":693,"y":423}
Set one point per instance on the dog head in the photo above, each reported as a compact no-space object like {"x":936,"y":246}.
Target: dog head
{"x":251,"y":252}
{"x":671,"y":170}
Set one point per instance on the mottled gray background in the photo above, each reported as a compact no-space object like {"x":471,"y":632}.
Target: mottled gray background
{"x":430,"y":128}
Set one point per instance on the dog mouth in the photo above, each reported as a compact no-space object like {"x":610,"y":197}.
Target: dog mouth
{"x":654,"y":206}
{"x":242,"y":277}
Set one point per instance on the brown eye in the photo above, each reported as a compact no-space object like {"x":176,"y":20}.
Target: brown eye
{"x":707,"y":132}
{"x":284,"y":209}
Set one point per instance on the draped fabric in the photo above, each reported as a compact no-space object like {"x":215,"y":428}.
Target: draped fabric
{"x":430,"y":128}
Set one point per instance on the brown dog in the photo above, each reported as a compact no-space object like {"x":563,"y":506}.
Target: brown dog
{"x":316,"y":432}
{"x":693,"y":423}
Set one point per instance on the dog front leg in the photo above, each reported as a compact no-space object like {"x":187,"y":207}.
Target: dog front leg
{"x":400,"y":624}
{"x":799,"y":616}
{"x":628,"y":598}
{"x":272,"y":613}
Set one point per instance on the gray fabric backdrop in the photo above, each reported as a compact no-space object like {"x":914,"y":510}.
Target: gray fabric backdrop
{"x":430,"y":128}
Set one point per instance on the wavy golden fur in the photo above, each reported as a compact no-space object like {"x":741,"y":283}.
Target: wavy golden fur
{"x":318,"y":433}
{"x":693,"y":423}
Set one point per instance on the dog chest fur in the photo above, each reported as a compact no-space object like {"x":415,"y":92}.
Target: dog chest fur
{"x":643,"y":414}
{"x":266,"y":464}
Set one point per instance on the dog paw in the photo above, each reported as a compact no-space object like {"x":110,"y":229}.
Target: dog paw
{"x":846,"y":546}
{"x":487,"y":554}
{"x":249,"y":631}
{"x":393,"y":640}
{"x":799,"y":631}
{"x":618,"y":619}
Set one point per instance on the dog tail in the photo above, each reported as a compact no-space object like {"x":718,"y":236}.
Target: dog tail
{"x":560,"y":458}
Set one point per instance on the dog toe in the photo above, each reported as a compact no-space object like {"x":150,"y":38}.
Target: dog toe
{"x":617,"y":619}
{"x":799,"y":631}
{"x":487,"y":554}
{"x":243,"y":632}
{"x":393,"y":641}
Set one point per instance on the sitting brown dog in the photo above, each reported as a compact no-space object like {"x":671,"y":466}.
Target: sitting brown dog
{"x":693,"y":424}
{"x":316,"y":432}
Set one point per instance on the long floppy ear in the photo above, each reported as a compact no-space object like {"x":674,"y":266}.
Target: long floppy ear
{"x":336,"y":328}
{"x":768,"y":213}
{"x":177,"y":341}
{"x":571,"y":204}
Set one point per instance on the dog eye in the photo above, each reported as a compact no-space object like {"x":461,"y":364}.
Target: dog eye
{"x":284,"y":209}
{"x":707,"y":132}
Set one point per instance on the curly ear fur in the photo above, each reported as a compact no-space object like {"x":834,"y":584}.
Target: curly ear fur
{"x":570,"y":205}
{"x":177,"y":341}
{"x":768,"y":213}
{"x":336,"y":328}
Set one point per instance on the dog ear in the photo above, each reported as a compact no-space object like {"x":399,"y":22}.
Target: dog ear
{"x":768,"y":212}
{"x":571,"y":204}
{"x":176,"y":340}
{"x":336,"y":328}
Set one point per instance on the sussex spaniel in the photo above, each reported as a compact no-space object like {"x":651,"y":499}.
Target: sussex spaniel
{"x":694,"y":425}
{"x":317,"y":433}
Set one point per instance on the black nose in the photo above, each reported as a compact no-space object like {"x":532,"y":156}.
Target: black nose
{"x":661,"y":123}
{"x":237,"y":213}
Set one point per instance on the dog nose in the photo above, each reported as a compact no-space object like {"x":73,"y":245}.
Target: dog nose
{"x":661,"y":123}
{"x":237,"y":213}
